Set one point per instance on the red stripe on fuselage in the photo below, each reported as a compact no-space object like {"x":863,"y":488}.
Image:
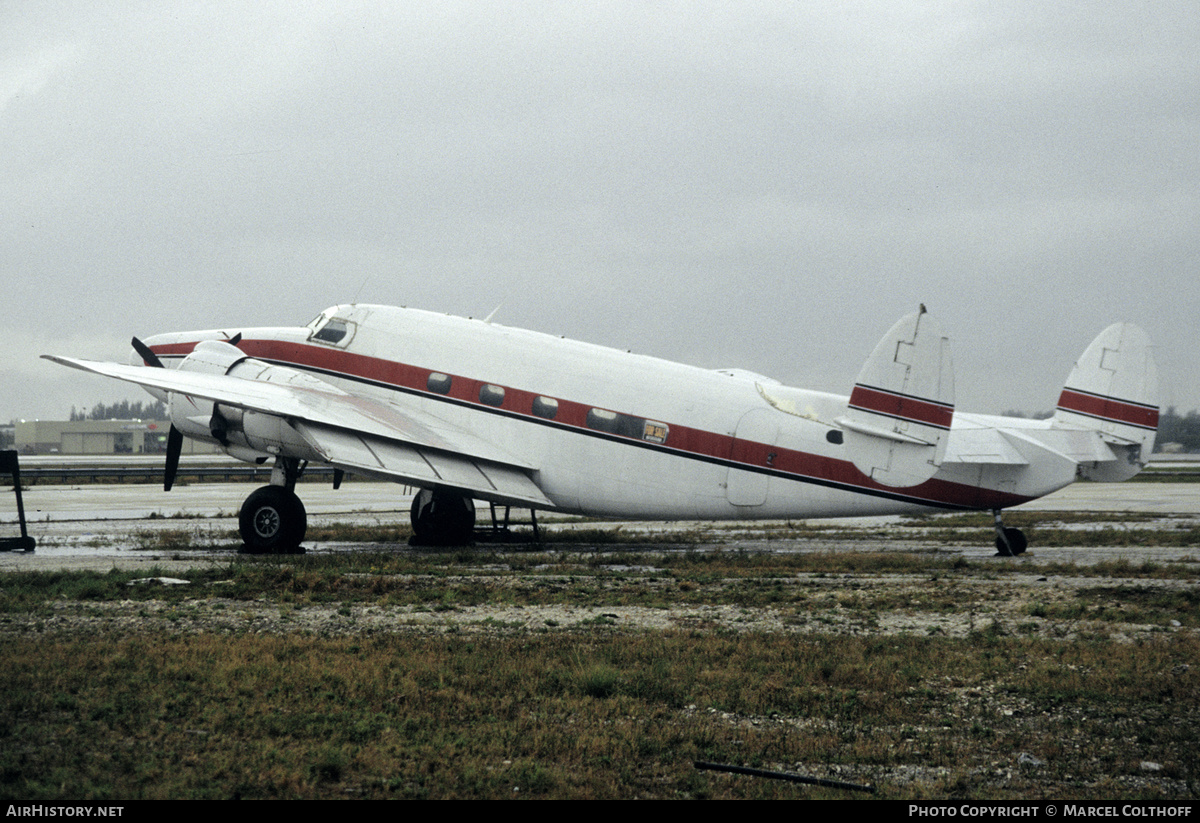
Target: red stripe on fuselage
{"x":901,"y":406}
{"x":173,"y":349}
{"x":1109,"y":408}
{"x":682,"y":440}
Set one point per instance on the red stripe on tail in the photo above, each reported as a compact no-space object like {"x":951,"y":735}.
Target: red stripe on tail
{"x":901,"y":406}
{"x":1109,"y":408}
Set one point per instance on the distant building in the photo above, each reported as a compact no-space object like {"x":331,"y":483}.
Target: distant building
{"x":99,"y":437}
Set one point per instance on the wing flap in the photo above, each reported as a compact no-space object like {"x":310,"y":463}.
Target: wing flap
{"x":423,"y":466}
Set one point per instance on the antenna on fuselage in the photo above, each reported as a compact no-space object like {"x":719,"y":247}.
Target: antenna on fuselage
{"x":362,"y":286}
{"x":488,"y":319}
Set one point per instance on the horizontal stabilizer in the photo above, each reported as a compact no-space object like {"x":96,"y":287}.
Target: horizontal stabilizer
{"x":986,"y":446}
{"x":897,"y":422}
{"x":999,"y":443}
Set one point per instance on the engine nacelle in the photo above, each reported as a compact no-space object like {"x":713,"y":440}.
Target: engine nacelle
{"x":213,"y":357}
{"x":243,"y":433}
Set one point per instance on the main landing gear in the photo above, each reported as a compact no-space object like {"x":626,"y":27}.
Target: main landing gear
{"x":446,"y":518}
{"x":1009,"y":541}
{"x":273,"y":520}
{"x":441,"y":518}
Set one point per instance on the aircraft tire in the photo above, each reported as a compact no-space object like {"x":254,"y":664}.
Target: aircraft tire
{"x":1016,"y":540}
{"x":442,"y":518}
{"x":272,"y":521}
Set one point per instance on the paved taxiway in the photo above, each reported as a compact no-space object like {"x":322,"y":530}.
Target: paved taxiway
{"x":1155,"y":498}
{"x":97,"y":502}
{"x":81,"y":526}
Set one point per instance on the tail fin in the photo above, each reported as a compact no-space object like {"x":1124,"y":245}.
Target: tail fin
{"x":898,"y":419}
{"x":1113,"y":390}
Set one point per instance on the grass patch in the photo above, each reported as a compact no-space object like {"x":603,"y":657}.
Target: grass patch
{"x":1168,"y":473}
{"x":252,"y":716}
{"x":204,"y":697}
{"x":447,"y":579}
{"x":1131,"y":604}
{"x":1060,"y":529}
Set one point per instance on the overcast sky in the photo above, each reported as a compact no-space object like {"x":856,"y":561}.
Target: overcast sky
{"x":758,"y":185}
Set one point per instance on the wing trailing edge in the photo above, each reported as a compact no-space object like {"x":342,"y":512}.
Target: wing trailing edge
{"x":423,"y":466}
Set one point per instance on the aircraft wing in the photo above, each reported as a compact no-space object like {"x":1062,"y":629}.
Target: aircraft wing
{"x":358,"y":434}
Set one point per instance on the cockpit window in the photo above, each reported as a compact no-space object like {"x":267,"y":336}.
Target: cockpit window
{"x":334,"y":330}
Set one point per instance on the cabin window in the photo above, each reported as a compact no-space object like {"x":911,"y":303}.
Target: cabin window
{"x":546,"y":407}
{"x":625,"y":425}
{"x":438,"y":382}
{"x":834,"y":436}
{"x":491,"y":395}
{"x":604,"y":421}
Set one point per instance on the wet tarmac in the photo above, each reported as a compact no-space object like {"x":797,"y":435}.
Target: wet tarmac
{"x":99,"y":526}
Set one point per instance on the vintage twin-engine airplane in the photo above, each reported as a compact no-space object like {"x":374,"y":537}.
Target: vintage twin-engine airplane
{"x":468,"y":410}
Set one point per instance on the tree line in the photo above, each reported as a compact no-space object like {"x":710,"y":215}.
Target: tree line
{"x":124,"y":410}
{"x":1176,"y":428}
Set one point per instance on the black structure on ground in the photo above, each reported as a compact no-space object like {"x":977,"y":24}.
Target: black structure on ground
{"x":10,"y":465}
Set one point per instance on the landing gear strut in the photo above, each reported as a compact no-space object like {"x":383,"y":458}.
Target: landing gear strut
{"x":273,"y":520}
{"x":441,"y":518}
{"x":1009,"y":541}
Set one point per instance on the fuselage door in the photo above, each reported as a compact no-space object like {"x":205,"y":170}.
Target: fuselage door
{"x":753,"y":449}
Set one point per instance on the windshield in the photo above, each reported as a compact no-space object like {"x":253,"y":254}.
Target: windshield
{"x":334,"y":330}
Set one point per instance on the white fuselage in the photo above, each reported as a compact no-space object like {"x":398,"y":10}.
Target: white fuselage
{"x":618,"y":434}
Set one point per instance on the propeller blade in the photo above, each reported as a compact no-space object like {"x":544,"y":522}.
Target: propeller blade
{"x":237,"y":338}
{"x":148,"y":356}
{"x":174,"y":447}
